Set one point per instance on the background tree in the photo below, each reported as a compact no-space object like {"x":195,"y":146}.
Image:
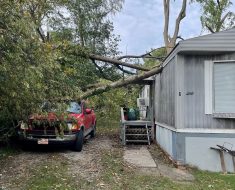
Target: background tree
{"x":216,"y":15}
{"x":94,"y":30}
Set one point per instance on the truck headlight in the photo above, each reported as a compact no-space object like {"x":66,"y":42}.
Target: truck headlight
{"x":72,"y":126}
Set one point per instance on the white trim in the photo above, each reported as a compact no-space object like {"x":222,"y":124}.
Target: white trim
{"x":197,"y":130}
{"x":208,"y":78}
{"x":224,"y":115}
{"x":223,"y":61}
{"x":166,"y":126}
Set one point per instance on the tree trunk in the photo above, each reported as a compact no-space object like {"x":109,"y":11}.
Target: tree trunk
{"x":171,"y":41}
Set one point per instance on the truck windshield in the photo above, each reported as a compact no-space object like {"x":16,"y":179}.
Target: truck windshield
{"x":74,"y":107}
{"x":71,"y":107}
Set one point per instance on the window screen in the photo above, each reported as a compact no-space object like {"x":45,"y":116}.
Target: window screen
{"x":224,"y":87}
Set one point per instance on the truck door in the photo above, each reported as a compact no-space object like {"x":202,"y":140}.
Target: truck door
{"x":87,"y":117}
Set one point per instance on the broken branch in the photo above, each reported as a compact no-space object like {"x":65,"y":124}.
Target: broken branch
{"x":116,"y":62}
{"x":139,"y":56}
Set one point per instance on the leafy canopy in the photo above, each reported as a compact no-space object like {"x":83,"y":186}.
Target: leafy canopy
{"x":216,"y":15}
{"x":36,"y":64}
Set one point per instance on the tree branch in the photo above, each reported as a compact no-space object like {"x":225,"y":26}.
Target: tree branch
{"x":32,"y":10}
{"x":180,"y":17}
{"x":209,"y":28}
{"x":103,"y":74}
{"x":139,"y":56}
{"x":218,"y":2}
{"x":116,"y":62}
{"x":166,"y":23}
{"x":101,"y":71}
{"x":225,"y":16}
{"x":125,"y":71}
{"x":146,"y":55}
{"x":179,"y":37}
{"x":42,"y":36}
{"x":90,"y":86}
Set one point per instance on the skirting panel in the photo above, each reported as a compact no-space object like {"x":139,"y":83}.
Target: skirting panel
{"x":195,"y":148}
{"x":164,"y":139}
{"x":198,"y":152}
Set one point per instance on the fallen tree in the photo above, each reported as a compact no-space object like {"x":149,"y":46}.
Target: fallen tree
{"x":99,"y":88}
{"x":119,"y":83}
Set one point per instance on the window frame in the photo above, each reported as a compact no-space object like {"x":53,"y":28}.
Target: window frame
{"x":208,"y":86}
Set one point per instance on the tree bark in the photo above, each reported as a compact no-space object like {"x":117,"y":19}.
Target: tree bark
{"x":140,"y":56}
{"x":166,"y":23}
{"x":171,"y":41}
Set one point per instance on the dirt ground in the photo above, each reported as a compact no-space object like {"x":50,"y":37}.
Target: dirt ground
{"x":28,"y":166}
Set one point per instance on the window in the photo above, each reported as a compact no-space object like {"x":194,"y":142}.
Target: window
{"x":224,"y":87}
{"x":220,"y":88}
{"x":74,"y":107}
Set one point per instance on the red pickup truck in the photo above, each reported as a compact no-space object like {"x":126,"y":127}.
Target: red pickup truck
{"x":70,"y":127}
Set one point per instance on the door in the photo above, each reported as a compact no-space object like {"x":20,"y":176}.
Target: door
{"x":87,"y":117}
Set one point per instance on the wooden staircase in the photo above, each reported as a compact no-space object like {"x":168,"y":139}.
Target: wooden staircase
{"x":137,"y":134}
{"x":135,"y":131}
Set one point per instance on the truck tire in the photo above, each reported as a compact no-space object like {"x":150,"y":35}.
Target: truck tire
{"x":93,"y":132}
{"x":79,"y":141}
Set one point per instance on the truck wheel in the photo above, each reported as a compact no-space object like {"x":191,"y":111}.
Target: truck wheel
{"x":79,"y":141}
{"x":93,"y":132}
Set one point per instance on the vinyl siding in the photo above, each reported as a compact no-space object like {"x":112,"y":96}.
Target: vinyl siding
{"x":165,"y":95}
{"x":193,"y":95}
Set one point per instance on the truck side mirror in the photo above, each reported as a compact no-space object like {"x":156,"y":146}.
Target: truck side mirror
{"x":88,"y":111}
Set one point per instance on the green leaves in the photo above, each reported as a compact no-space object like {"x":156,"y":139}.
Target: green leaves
{"x":216,"y":15}
{"x":43,"y":52}
{"x":158,"y":53}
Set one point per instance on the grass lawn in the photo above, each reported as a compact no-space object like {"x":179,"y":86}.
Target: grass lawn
{"x":117,"y":176}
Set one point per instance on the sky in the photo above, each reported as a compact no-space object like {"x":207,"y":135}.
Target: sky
{"x":140,"y":24}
